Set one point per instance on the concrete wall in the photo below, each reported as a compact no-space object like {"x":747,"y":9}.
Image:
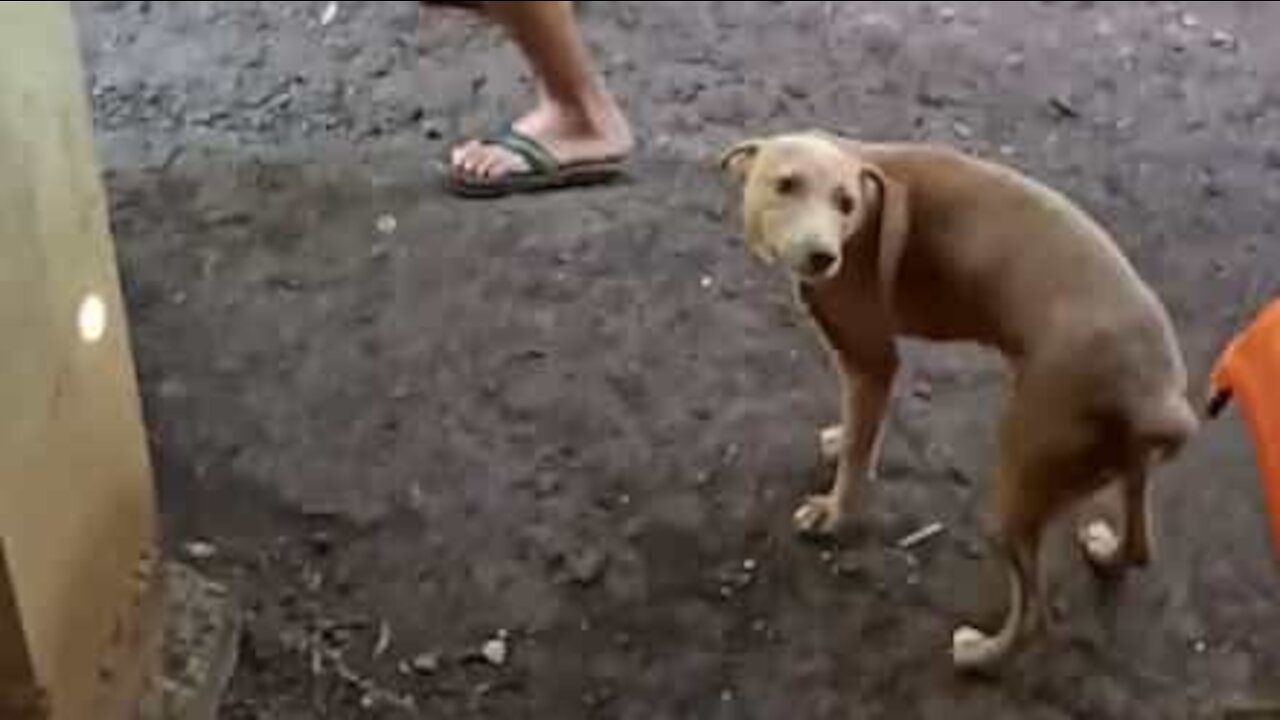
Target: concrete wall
{"x":76,"y":501}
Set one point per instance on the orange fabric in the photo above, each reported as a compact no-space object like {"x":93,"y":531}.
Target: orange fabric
{"x":1249,"y":371}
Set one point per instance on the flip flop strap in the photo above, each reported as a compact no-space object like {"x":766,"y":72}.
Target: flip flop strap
{"x":539,"y":159}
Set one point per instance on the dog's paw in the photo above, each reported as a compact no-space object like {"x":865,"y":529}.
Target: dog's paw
{"x":831,"y":442}
{"x":819,"y":517}
{"x":1101,"y":544}
{"x":973,"y":650}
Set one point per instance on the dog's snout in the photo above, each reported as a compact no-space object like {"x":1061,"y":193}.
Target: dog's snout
{"x":819,"y":262}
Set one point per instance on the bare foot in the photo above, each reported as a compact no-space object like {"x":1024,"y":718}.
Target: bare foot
{"x":819,"y":517}
{"x":595,"y":131}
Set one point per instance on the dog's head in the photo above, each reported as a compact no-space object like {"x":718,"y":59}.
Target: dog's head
{"x":806,"y":197}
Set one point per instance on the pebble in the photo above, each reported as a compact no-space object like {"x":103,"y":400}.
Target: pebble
{"x":495,"y":651}
{"x":1189,"y":21}
{"x":1063,"y":107}
{"x":749,"y":565}
{"x":386,"y":223}
{"x":383,"y":643}
{"x":200,"y":550}
{"x":1222,"y":39}
{"x":329,"y":14}
{"x":586,"y":566}
{"x":426,"y":663}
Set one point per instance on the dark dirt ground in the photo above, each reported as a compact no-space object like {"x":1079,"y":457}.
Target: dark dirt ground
{"x":580,"y":423}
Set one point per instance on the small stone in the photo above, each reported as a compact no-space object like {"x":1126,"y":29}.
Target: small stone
{"x":386,"y":223}
{"x":1189,"y":21}
{"x":200,"y":550}
{"x":1015,"y":61}
{"x":759,"y":626}
{"x":706,"y":281}
{"x":726,"y":696}
{"x":329,"y":14}
{"x":1063,"y":108}
{"x":383,"y":643}
{"x":1200,"y":647}
{"x":495,"y":652}
{"x":962,"y":130}
{"x":922,"y":391}
{"x":749,"y":565}
{"x":827,"y":557}
{"x":947,"y":13}
{"x":1223,"y":40}
{"x":586,"y":566}
{"x":426,"y":663}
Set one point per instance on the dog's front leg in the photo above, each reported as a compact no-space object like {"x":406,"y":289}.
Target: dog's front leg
{"x":865,"y":399}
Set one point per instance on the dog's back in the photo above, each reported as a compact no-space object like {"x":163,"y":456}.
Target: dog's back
{"x":1000,"y":258}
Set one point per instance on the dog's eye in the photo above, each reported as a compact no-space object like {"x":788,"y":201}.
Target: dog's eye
{"x":788,"y":184}
{"x":844,"y":202}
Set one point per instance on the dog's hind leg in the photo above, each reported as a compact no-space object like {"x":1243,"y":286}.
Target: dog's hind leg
{"x":1018,"y":543}
{"x":1044,"y":451}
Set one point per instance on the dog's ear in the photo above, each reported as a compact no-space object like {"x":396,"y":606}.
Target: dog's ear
{"x":738,"y":159}
{"x":893,"y":228}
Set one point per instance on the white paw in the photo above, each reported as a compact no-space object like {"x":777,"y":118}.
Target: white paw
{"x":818,"y":517}
{"x":1101,"y":543}
{"x":970,"y":648}
{"x":831,"y":442}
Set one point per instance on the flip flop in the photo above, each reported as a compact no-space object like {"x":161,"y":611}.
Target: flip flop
{"x":544,"y":171}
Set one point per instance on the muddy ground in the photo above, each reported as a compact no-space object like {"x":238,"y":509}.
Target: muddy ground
{"x":567,"y":433}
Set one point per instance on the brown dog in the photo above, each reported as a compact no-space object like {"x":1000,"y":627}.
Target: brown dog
{"x":892,"y":240}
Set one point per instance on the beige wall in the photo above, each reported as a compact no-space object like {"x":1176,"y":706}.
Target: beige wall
{"x":76,"y":514}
